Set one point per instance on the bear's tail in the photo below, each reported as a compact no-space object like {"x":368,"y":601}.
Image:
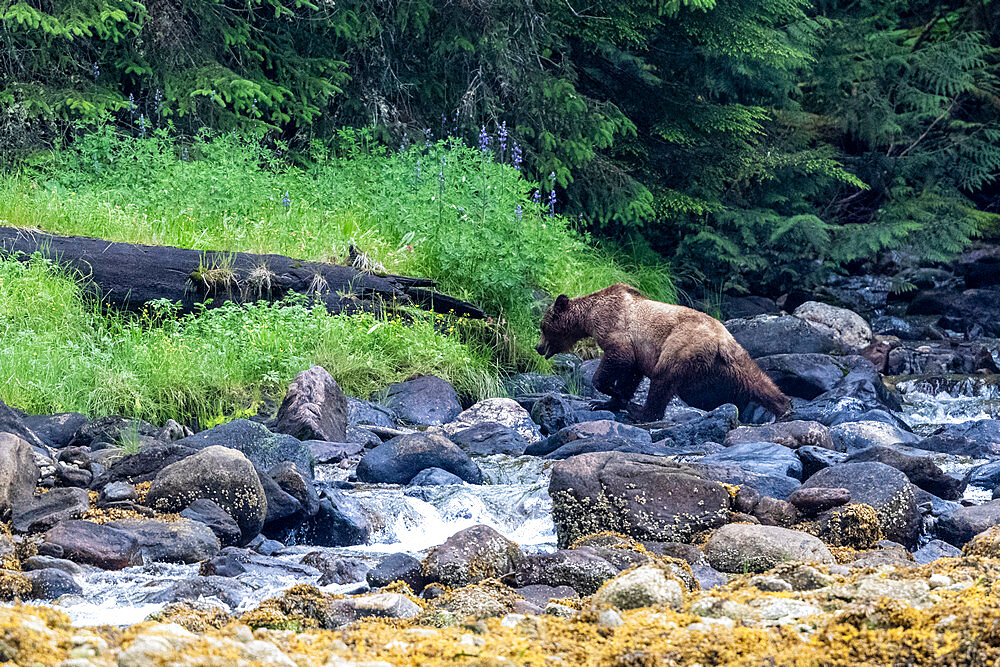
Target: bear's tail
{"x":753,"y":384}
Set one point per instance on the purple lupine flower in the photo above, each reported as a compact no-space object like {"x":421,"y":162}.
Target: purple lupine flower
{"x":142,"y":126}
{"x":537,"y":196}
{"x":285,"y":201}
{"x":131,"y":106}
{"x":484,"y":140}
{"x":515,"y":155}
{"x":96,"y":70}
{"x":502,"y":138}
{"x":428,"y":136}
{"x":159,"y":101}
{"x":184,"y":154}
{"x":552,"y":194}
{"x":405,"y":145}
{"x":418,"y":169}
{"x":519,"y":212}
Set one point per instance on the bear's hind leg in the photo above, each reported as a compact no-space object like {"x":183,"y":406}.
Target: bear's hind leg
{"x":661,"y":392}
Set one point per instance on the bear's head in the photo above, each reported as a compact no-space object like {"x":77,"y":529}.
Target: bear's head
{"x":560,"y":329}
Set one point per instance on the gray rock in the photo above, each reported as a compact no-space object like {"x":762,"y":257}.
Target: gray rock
{"x":116,"y":492}
{"x":771,"y":486}
{"x":227,"y":590}
{"x":283,"y":510}
{"x":535,"y":383}
{"x":984,"y":432}
{"x":49,"y":584}
{"x":958,"y":446}
{"x":918,"y":467}
{"x":12,"y":424}
{"x":815,"y":459}
{"x":804,"y":375}
{"x":434,"y":477}
{"x":486,"y":439}
{"x":766,"y":458}
{"x":39,"y":513}
{"x":112,"y":431}
{"x":580,"y":569}
{"x":93,"y":544}
{"x":292,"y":482}
{"x":181,"y":541}
{"x":814,"y":500}
{"x":314,"y":408}
{"x":400,"y":459}
{"x":263,"y":448}
{"x":233,"y":561}
{"x":935,"y":550}
{"x":471,"y":555}
{"x":218,"y":521}
{"x":335,"y":569}
{"x":503,"y":411}
{"x":646,"y":586}
{"x":603,"y":428}
{"x":368,"y":412}
{"x":18,"y":472}
{"x":552,"y":412}
{"x":39,"y":562}
{"x":793,"y":434}
{"x":765,"y":335}
{"x":962,"y":525}
{"x":424,"y":401}
{"x":385,"y":605}
{"x":56,"y":431}
{"x":850,"y":332}
{"x":645,"y":497}
{"x":882,"y":487}
{"x":224,"y":476}
{"x":144,"y":465}
{"x":340,"y":522}
{"x":333,"y":452}
{"x":714,"y":427}
{"x":397,"y":567}
{"x":540,"y":594}
{"x":854,"y":436}
{"x":741,"y":548}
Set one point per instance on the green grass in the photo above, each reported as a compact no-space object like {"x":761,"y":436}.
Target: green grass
{"x":58,"y":352}
{"x":443,"y":211}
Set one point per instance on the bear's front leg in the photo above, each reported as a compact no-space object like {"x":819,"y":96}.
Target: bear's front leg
{"x":661,"y":392}
{"x":617,"y":377}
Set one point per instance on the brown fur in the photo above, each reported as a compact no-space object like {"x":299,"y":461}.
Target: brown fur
{"x":682,"y":351}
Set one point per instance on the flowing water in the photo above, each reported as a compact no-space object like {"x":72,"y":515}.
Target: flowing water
{"x":514,"y":501}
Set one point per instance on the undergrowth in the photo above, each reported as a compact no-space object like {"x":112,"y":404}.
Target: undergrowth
{"x":59,"y":352}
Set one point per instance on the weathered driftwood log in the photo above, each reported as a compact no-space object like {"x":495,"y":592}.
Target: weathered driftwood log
{"x":127,"y":276}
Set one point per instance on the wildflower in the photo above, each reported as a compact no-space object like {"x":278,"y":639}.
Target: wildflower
{"x":537,"y":196}
{"x":515,"y":156}
{"x":519,"y":212}
{"x":285,"y":201}
{"x":158,"y":96}
{"x":502,"y":137}
{"x":184,"y":153}
{"x":96,"y":70}
{"x":142,"y":125}
{"x":428,"y":135}
{"x":484,"y":140}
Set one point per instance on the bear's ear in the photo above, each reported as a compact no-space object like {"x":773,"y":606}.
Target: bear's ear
{"x":562,"y":303}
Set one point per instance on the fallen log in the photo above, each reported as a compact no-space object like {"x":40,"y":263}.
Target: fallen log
{"x":127,"y":276}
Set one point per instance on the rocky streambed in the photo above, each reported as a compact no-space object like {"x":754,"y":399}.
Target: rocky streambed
{"x":526,"y":530}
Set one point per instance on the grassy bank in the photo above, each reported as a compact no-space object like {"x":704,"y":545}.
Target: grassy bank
{"x":460,"y":215}
{"x":58,"y":352}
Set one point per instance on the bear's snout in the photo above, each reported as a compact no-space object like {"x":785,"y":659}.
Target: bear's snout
{"x":540,"y":349}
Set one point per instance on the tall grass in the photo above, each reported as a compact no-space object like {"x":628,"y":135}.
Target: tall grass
{"x":59,"y":352}
{"x":440,"y":210}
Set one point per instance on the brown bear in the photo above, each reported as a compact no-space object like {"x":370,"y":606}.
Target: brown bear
{"x":682,"y":351}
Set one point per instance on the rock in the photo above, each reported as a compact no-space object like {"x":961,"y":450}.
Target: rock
{"x":815,"y":459}
{"x":818,"y":499}
{"x":984,"y":432}
{"x":747,"y":306}
{"x":486,"y":439}
{"x":424,"y":401}
{"x":144,"y":465}
{"x":181,"y":541}
{"x":793,"y":434}
{"x":233,"y":561}
{"x":581,"y":569}
{"x":854,"y":436}
{"x":540,"y":594}
{"x":497,"y":411}
{"x":741,"y":548}
{"x":646,"y":586}
{"x":385,"y":605}
{"x":975,"y":307}
{"x":227,"y":590}
{"x":38,"y":514}
{"x":397,"y":567}
{"x":336,"y":569}
{"x":314,"y":408}
{"x":18,"y":472}
{"x":535,"y":383}
{"x":765,"y":458}
{"x":117,"y":492}
{"x":986,"y":476}
{"x":400,"y":459}
{"x":882,"y":487}
{"x":645,"y":497}
{"x":935,"y":550}
{"x":93,"y":544}
{"x":890,"y":325}
{"x":603,"y":428}
{"x":713,"y":426}
{"x":261,"y":447}
{"x":962,"y":525}
{"x":979,"y":266}
{"x":49,"y":563}
{"x":958,"y":446}
{"x":12,"y":424}
{"x":333,"y":452}
{"x":552,"y":412}
{"x":921,"y":470}
{"x":340,"y":522}
{"x":765,"y":335}
{"x":56,"y":431}
{"x":112,"y":431}
{"x":224,"y":476}
{"x":611,"y":444}
{"x":985,"y":544}
{"x":49,"y":584}
{"x":772,"y":486}
{"x":284,"y":512}
{"x":774,"y":512}
{"x":435,"y":477}
{"x":292,"y":482}
{"x":850,"y":331}
{"x":223,"y":526}
{"x":369,"y":412}
{"x":470,"y":556}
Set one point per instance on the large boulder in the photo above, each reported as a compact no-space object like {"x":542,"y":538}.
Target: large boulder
{"x":918,"y":467}
{"x":503,"y":411}
{"x":581,"y":569}
{"x":645,"y":497}
{"x":766,"y":458}
{"x":854,"y":436}
{"x":144,"y":465}
{"x":262,"y":447}
{"x":50,"y":583}
{"x":314,"y":408}
{"x":648,"y":585}
{"x":713,"y":426}
{"x":180,"y":541}
{"x":397,"y":461}
{"x":771,"y":486}
{"x":56,"y":431}
{"x":793,"y":434}
{"x":423,"y":401}
{"x":849,"y":331}
{"x":224,"y":476}
{"x":741,"y":548}
{"x":804,"y":375}
{"x":765,"y":335}
{"x":397,"y":567}
{"x":339,"y":522}
{"x":12,"y":423}
{"x":486,"y":439}
{"x":92,"y":544}
{"x":885,"y":489}
{"x":471,"y":555}
{"x":18,"y":472}
{"x":960,"y":526}
{"x":39,"y":513}
{"x":601,"y":428}
{"x":223,"y":526}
